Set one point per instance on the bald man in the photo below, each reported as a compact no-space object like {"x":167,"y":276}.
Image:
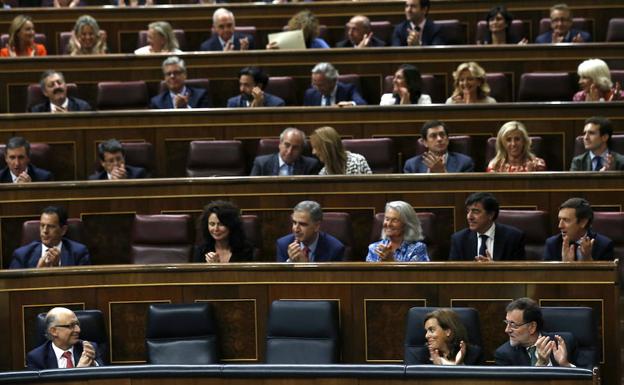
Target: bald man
{"x":360,"y":34}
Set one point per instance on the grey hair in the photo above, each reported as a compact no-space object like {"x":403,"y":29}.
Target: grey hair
{"x":222,"y":11}
{"x":292,"y":129}
{"x":174,"y":60}
{"x":412,"y":230}
{"x":18,"y":142}
{"x":326,"y":69}
{"x":50,"y":319}
{"x":598,"y":71}
{"x":46,"y":74}
{"x":312,"y":207}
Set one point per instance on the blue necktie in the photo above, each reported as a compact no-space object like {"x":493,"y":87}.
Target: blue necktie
{"x":598,"y":163}
{"x":483,"y":246}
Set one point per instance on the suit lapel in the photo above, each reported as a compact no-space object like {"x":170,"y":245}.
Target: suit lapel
{"x":472,"y":245}
{"x":319,"y":253}
{"x":65,"y":257}
{"x":50,"y":358}
{"x":451,"y":163}
{"x":499,"y":237}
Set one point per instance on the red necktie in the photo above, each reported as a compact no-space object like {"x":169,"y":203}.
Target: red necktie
{"x":68,"y":357}
{"x":306,"y":252}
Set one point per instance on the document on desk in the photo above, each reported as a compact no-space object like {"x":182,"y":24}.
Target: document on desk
{"x":288,"y":39}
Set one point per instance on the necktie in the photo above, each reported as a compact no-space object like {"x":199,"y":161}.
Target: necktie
{"x":483,"y":246}
{"x":306,"y":252}
{"x":68,"y":357}
{"x":532,"y":356}
{"x":326,"y":100}
{"x":598,"y":163}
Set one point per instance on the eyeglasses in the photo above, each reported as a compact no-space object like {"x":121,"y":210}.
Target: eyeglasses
{"x":513,"y":325}
{"x":71,"y":326}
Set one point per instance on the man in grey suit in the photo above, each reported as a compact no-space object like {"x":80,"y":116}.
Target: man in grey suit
{"x":597,"y":141}
{"x":288,"y":161}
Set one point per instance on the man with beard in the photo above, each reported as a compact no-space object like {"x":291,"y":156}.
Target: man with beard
{"x":251,"y":84}
{"x":54,"y":89}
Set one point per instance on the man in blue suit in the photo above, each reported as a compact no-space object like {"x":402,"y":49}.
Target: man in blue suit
{"x":308,"y":243}
{"x":53,"y":250}
{"x":289,"y":160}
{"x":179,"y":95}
{"x":224,"y":37}
{"x":54,"y":88}
{"x":434,"y":136}
{"x":19,"y":169}
{"x":576,"y":240}
{"x":485,"y":240}
{"x":251,"y":83}
{"x":326,"y":90}
{"x":113,"y":160}
{"x":64,"y":349}
{"x":417,"y":29}
{"x":561,"y":28}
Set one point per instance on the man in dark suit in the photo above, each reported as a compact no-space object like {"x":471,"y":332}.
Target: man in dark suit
{"x":251,"y":83}
{"x":561,"y":28}
{"x":179,"y":95}
{"x":19,"y":169}
{"x":52,"y":250}
{"x":64,"y":349}
{"x":289,"y":160}
{"x":224,"y":37}
{"x":326,"y":90}
{"x":54,"y":88}
{"x":485,"y":240}
{"x":360,"y":34}
{"x":576,"y":240}
{"x":113,"y":160}
{"x":527,"y":345}
{"x":434,"y":136}
{"x":308,"y":243}
{"x":417,"y":29}
{"x":597,"y":141}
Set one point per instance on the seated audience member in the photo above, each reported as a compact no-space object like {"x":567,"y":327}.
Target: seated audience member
{"x":22,"y":39}
{"x":160,"y":39}
{"x":251,"y":83}
{"x":401,"y":236}
{"x":308,"y":23}
{"x":3,"y":5}
{"x":447,"y":341}
{"x":360,"y":35}
{"x":470,"y":85}
{"x":178,"y":94}
{"x":53,"y":249}
{"x":308,"y":243}
{"x":597,"y":140}
{"x":576,"y":240}
{"x":131,"y":3}
{"x":513,"y":151}
{"x":527,"y":345}
{"x":434,"y":136}
{"x":498,"y":21}
{"x":327,"y":146}
{"x":595,"y":82}
{"x":113,"y":160}
{"x":326,"y":90}
{"x":224,"y":37}
{"x":289,"y":160}
{"x":485,"y":240}
{"x":64,"y":349}
{"x":417,"y":29}
{"x":19,"y":169}
{"x":561,"y":28}
{"x":224,"y":239}
{"x":87,"y":38}
{"x":66,"y":3}
{"x":54,"y":88}
{"x":406,"y":88}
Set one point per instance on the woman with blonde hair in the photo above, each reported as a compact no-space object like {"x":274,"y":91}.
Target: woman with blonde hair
{"x":160,"y":39}
{"x":87,"y":38}
{"x":327,"y":146}
{"x":308,"y":23}
{"x":470,"y":85}
{"x":513,"y":151}
{"x":595,"y":82}
{"x":22,"y":39}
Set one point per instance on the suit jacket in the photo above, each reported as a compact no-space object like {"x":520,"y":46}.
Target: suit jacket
{"x":455,"y":162}
{"x":72,"y":254}
{"x":213,"y":43}
{"x":36,"y":174}
{"x":269,"y":165}
{"x":344,"y":92}
{"x":270,"y":100}
{"x":373,"y":42}
{"x":42,"y":357}
{"x":198,"y":98}
{"x":328,"y":248}
{"x":131,"y":173}
{"x":583,"y":162}
{"x":431,"y":34}
{"x":601,"y":251}
{"x":546,"y":37}
{"x":508,"y":244}
{"x":420,"y":356}
{"x":74,"y":104}
{"x":507,"y":355}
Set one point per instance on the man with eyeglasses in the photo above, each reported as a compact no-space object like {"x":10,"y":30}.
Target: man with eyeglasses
{"x":527,"y":345}
{"x":64,"y":349}
{"x":561,"y":28}
{"x":178,"y":94}
{"x":113,"y":160}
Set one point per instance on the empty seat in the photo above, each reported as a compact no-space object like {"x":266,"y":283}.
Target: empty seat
{"x":579,"y":23}
{"x":534,"y":224}
{"x":433,"y":86}
{"x":427,"y":222}
{"x":500,"y":87}
{"x":251,"y":228}
{"x":518,"y":30}
{"x":615,"y":30}
{"x":181,"y":334}
{"x":75,"y":231}
{"x":536,"y":147}
{"x":179,"y":34}
{"x":303,"y":332}
{"x":339,"y":225}
{"x":617,"y":144}
{"x":452,"y":31}
{"x":122,"y":95}
{"x":215,"y":158}
{"x":611,"y":224}
{"x":546,"y":87}
{"x":161,"y":239}
{"x":580,"y":322}
{"x":40,"y":154}
{"x":284,"y":87}
{"x":35,"y":94}
{"x":379,"y":153}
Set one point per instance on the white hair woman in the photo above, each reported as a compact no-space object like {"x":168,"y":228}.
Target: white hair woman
{"x":595,"y":82}
{"x":160,"y":39}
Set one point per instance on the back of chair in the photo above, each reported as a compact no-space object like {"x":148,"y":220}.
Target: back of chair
{"x":75,"y":231}
{"x":534,"y":224}
{"x":303,"y":332}
{"x":546,"y":87}
{"x":215,"y":158}
{"x":453,"y":31}
{"x":161,"y":239}
{"x":500,"y":86}
{"x":580,"y":322}
{"x":615,"y":30}
{"x":284,"y":87}
{"x":122,"y":95}
{"x":253,"y":233}
{"x":352,"y":79}
{"x":339,"y":225}
{"x":181,"y":334}
{"x":379,"y":153}
{"x":611,"y":224}
{"x":427,"y":222}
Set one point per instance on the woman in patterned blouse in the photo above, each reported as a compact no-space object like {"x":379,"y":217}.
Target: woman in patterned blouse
{"x":513,"y":151}
{"x":327,"y":146}
{"x":401,"y":236}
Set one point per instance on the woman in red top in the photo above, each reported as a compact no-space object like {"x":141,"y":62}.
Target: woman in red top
{"x":22,"y":39}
